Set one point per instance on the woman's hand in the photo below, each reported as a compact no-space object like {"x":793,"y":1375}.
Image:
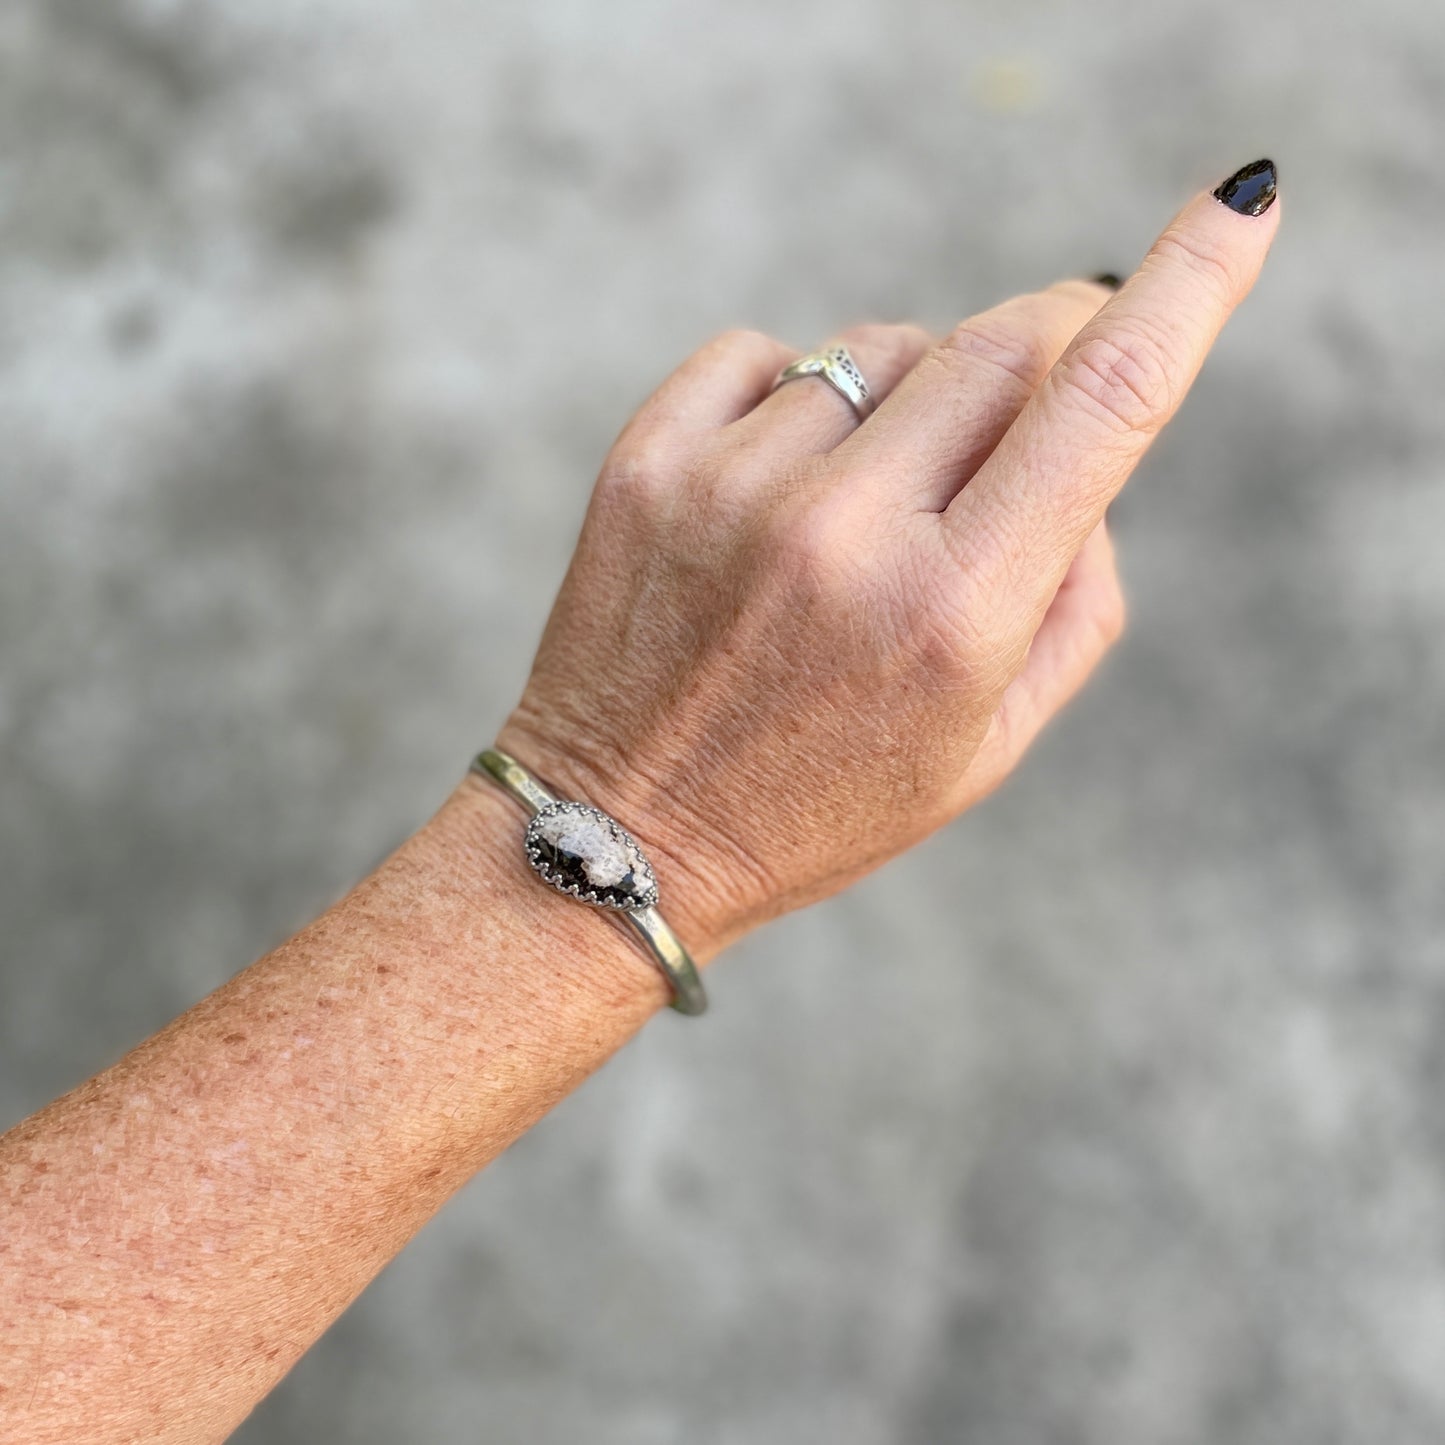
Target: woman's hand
{"x":790,"y":646}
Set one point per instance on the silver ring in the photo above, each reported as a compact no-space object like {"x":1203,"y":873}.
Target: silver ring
{"x":835,"y":365}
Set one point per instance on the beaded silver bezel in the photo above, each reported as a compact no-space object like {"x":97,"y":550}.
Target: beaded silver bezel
{"x":648,"y":896}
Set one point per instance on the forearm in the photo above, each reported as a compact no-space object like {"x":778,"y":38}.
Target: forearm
{"x":178,"y":1230}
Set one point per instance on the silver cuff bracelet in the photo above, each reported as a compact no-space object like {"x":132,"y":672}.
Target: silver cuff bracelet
{"x":582,"y":851}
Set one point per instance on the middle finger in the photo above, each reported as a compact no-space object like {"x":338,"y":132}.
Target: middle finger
{"x":954,"y":407}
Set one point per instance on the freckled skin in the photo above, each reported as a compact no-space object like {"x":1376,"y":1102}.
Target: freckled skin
{"x":788,"y":648}
{"x":209,"y":1160}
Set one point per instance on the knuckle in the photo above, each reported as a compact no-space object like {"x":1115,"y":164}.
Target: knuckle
{"x":642,"y":467}
{"x":1123,"y":379}
{"x":966,"y":655}
{"x":909,"y":336}
{"x":895,"y":345}
{"x":995,"y":346}
{"x":1211,"y":263}
{"x":988,"y":552}
{"x":806,"y":542}
{"x":967,"y":603}
{"x":958,"y":642}
{"x":743,"y":341}
{"x":815,"y":548}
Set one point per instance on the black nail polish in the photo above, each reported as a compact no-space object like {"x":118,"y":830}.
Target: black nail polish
{"x":1250,"y":190}
{"x":1107,"y":278}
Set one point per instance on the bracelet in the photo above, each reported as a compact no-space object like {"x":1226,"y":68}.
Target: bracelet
{"x":582,"y":851}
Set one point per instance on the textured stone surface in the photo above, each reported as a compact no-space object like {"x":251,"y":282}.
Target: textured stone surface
{"x":579,"y":847}
{"x":1113,"y":1116}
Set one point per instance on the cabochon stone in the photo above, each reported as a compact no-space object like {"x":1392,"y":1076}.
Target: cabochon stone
{"x":577,"y":846}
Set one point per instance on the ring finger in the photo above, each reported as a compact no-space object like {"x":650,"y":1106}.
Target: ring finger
{"x":808,"y":416}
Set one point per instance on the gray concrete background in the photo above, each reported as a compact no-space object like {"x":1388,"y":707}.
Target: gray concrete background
{"x":1112,"y":1115}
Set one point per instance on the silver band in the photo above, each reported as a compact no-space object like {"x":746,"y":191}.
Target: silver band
{"x":835,"y":365}
{"x":632,"y":898}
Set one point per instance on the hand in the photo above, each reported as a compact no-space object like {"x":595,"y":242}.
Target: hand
{"x":790,"y":646}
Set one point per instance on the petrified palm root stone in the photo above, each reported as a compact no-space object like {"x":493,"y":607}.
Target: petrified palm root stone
{"x":584,"y":852}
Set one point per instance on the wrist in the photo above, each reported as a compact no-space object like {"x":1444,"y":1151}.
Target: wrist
{"x":473,"y":848}
{"x":710,"y":894}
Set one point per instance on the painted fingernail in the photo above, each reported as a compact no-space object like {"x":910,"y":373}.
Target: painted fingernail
{"x":1251,"y":189}
{"x":1107,"y":278}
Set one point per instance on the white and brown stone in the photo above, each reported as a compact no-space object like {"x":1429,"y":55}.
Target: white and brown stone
{"x":582,"y":851}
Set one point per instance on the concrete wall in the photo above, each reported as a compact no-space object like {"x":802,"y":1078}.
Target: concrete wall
{"x":1112,"y":1115}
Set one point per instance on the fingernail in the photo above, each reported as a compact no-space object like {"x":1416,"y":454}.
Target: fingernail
{"x":1107,"y":278}
{"x":1250,"y":190}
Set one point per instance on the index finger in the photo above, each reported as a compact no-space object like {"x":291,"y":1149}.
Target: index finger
{"x":1028,"y":510}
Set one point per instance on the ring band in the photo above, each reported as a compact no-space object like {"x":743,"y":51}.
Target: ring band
{"x":584,"y":852}
{"x":835,"y":365}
